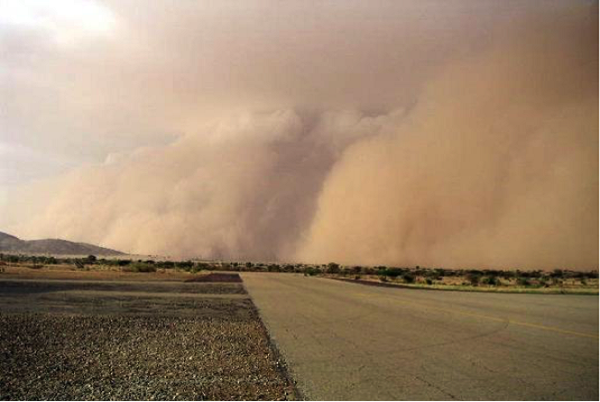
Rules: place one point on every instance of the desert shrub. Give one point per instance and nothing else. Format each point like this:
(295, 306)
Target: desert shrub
(357, 277)
(473, 278)
(437, 274)
(333, 268)
(383, 278)
(249, 265)
(91, 259)
(428, 281)
(408, 277)
(525, 274)
(312, 271)
(274, 268)
(368, 271)
(393, 272)
(421, 271)
(165, 264)
(47, 260)
(522, 281)
(140, 267)
(123, 263)
(508, 274)
(79, 264)
(490, 280)
(186, 265)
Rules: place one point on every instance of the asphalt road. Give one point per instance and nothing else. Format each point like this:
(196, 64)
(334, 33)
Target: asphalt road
(350, 341)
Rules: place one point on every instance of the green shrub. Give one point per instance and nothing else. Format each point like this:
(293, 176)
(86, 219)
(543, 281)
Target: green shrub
(312, 271)
(490, 280)
(408, 277)
(521, 281)
(185, 265)
(333, 268)
(394, 272)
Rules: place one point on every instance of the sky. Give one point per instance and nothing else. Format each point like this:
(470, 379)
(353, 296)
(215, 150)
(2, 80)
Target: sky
(439, 133)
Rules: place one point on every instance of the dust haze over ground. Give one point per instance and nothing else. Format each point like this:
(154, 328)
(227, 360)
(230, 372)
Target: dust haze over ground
(434, 133)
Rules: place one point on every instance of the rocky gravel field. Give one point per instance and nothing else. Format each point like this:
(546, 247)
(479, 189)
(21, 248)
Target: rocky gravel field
(217, 348)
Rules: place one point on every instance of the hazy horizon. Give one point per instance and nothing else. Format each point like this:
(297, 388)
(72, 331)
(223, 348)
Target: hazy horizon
(435, 133)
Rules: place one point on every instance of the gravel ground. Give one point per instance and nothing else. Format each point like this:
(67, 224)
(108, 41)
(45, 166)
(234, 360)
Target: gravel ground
(28, 286)
(203, 348)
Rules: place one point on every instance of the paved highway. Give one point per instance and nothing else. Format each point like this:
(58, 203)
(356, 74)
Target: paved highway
(349, 341)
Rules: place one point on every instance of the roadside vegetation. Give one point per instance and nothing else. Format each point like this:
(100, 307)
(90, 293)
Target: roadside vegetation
(509, 280)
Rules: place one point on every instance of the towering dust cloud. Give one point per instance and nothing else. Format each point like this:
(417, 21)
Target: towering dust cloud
(482, 152)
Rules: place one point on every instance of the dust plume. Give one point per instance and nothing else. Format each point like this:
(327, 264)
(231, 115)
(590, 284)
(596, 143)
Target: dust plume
(418, 144)
(496, 166)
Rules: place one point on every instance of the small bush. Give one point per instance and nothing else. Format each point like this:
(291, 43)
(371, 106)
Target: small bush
(333, 268)
(312, 271)
(408, 277)
(393, 272)
(428, 281)
(185, 265)
(140, 267)
(521, 281)
(473, 278)
(490, 280)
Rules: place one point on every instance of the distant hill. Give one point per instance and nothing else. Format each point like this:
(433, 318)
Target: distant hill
(12, 244)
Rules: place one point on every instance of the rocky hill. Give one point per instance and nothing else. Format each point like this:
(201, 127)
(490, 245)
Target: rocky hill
(12, 244)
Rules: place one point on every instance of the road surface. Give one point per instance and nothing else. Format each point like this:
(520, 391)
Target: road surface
(349, 341)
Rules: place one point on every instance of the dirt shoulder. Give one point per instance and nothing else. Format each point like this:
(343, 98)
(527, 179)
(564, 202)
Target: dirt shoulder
(134, 340)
